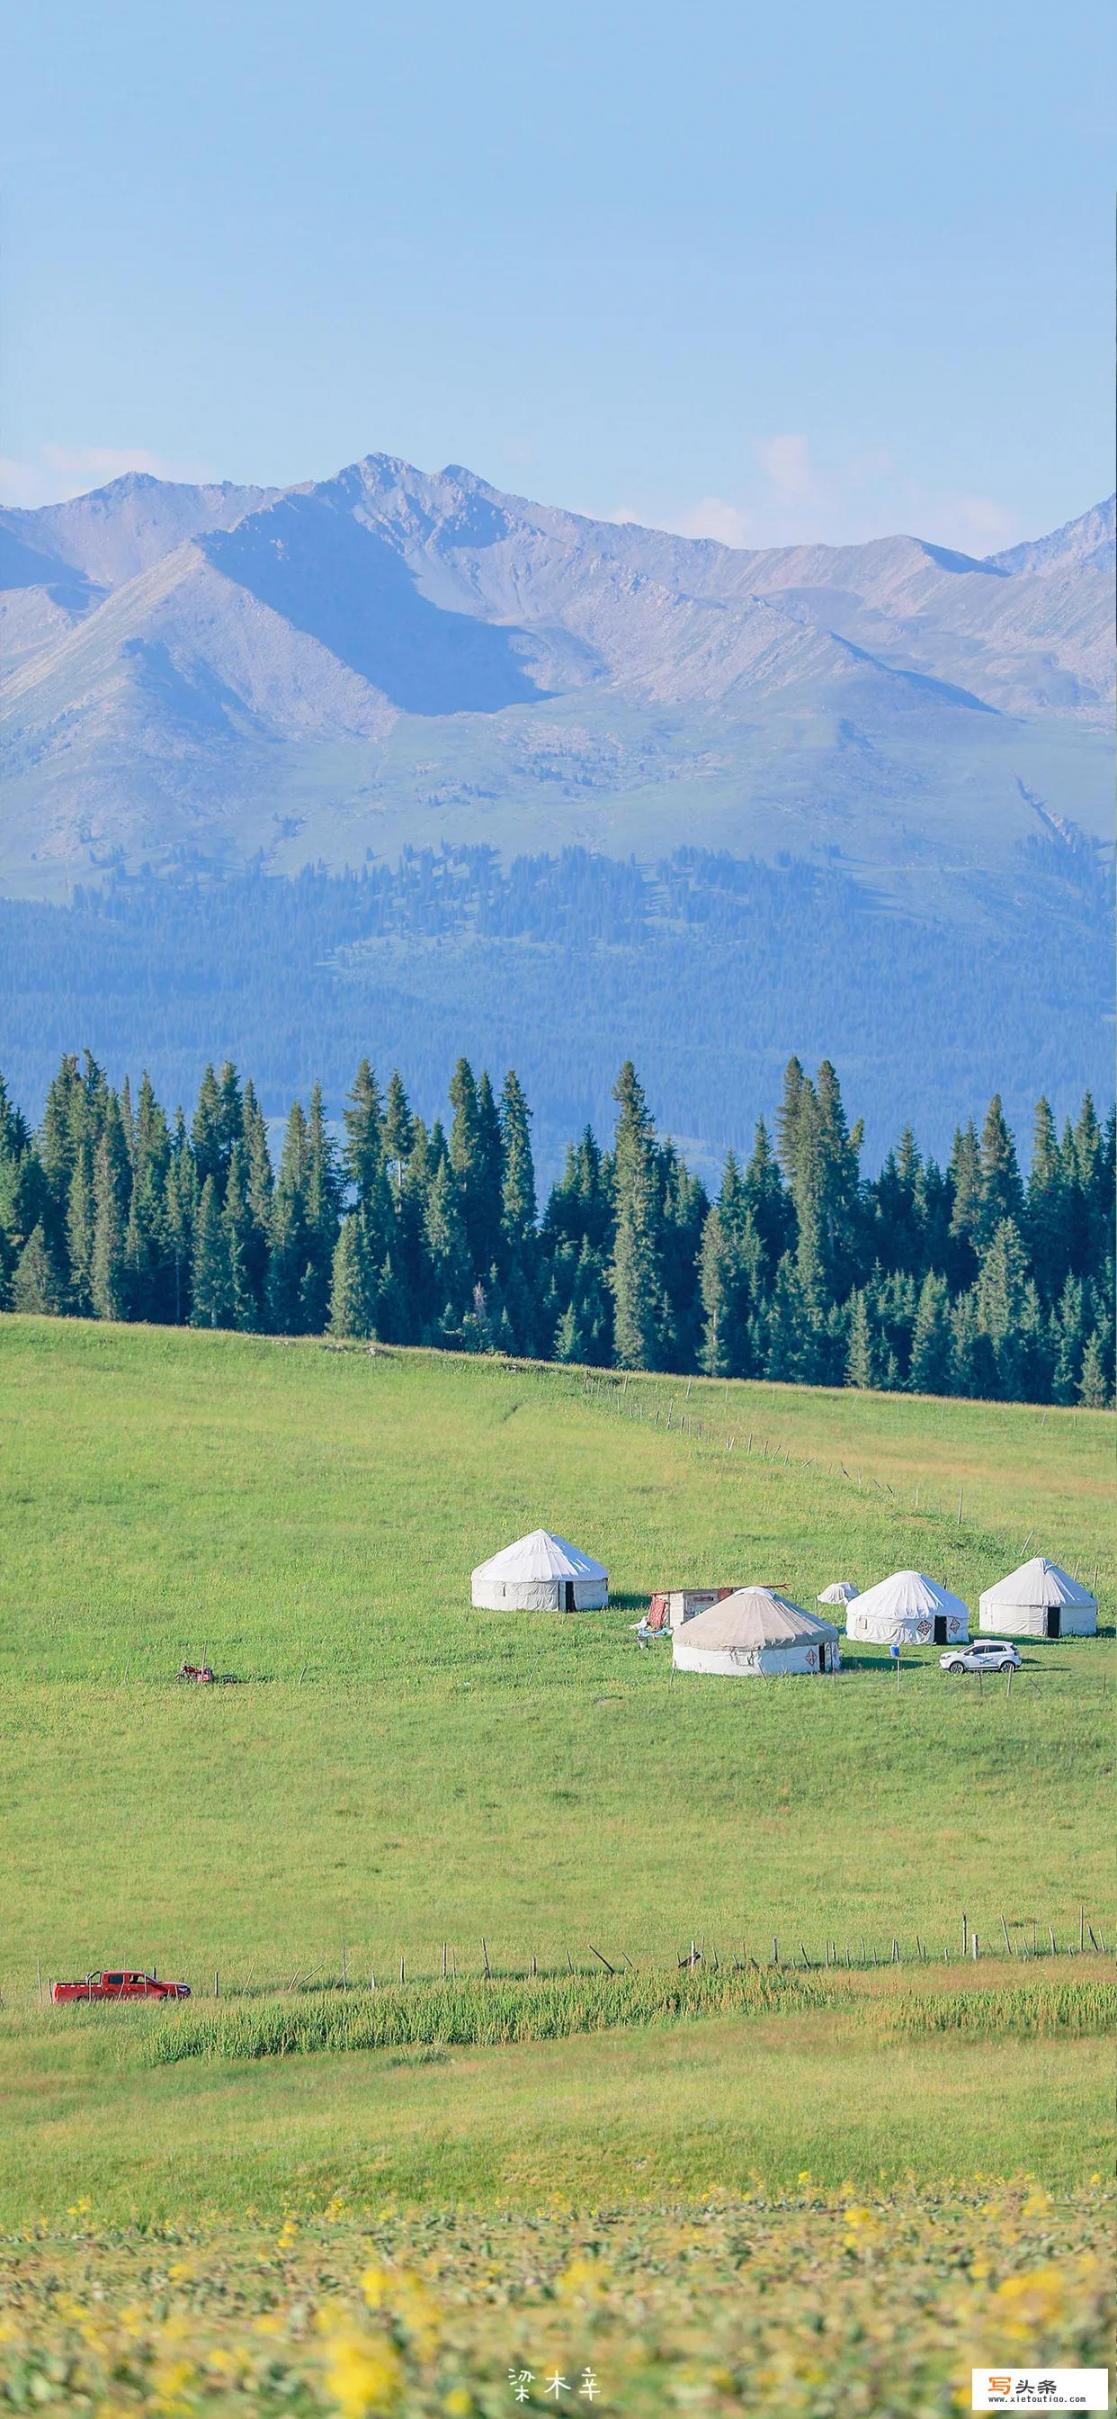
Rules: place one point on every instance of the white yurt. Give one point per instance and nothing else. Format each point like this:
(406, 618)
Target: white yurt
(756, 1632)
(909, 1610)
(541, 1573)
(840, 1591)
(1039, 1601)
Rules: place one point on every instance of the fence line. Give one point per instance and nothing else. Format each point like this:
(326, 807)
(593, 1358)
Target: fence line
(1027, 1939)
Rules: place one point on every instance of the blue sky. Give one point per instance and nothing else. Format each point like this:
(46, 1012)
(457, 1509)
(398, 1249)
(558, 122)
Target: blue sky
(749, 272)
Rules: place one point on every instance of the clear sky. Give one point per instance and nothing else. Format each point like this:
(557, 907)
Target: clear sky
(759, 272)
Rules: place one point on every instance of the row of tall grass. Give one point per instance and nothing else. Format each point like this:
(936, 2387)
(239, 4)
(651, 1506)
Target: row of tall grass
(476, 2014)
(550, 2008)
(1039, 2008)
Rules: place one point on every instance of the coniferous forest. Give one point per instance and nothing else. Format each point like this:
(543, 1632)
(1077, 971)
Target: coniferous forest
(967, 1279)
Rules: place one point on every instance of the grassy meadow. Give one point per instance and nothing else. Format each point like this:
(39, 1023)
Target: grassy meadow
(395, 1775)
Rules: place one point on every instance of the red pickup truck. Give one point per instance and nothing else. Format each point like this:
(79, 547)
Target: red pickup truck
(124, 1983)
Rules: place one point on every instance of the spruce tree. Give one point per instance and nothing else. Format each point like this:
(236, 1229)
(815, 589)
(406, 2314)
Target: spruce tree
(259, 1190)
(787, 1337)
(1068, 1341)
(490, 1178)
(768, 1202)
(290, 1252)
(1046, 1218)
(839, 1185)
(58, 1142)
(207, 1133)
(788, 1116)
(475, 1159)
(585, 1328)
(999, 1304)
(860, 1367)
(209, 1275)
(108, 1278)
(363, 1154)
(180, 1201)
(964, 1177)
(398, 1132)
(448, 1251)
(518, 1202)
(520, 1245)
(243, 1302)
(322, 1208)
(351, 1282)
(36, 1284)
(1093, 1392)
(1001, 1192)
(731, 1262)
(79, 1231)
(930, 1371)
(635, 1273)
(682, 1214)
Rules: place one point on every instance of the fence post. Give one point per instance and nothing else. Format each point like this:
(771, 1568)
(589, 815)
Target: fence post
(974, 1945)
(485, 1955)
(965, 1932)
(216, 1983)
(1008, 1943)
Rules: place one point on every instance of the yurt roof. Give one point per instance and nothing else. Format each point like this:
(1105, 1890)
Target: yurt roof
(1038, 1582)
(754, 1617)
(908, 1594)
(840, 1591)
(540, 1555)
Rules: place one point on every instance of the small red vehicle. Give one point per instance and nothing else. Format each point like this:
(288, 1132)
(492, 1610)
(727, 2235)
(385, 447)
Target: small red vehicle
(123, 1983)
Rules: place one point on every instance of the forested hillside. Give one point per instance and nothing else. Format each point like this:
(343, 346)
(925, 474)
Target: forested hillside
(701, 963)
(956, 1279)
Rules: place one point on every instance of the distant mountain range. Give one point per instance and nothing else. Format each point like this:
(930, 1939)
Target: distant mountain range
(216, 674)
(217, 684)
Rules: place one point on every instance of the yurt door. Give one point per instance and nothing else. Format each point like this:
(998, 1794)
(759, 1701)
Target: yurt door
(940, 1629)
(568, 1595)
(1054, 1620)
(824, 1658)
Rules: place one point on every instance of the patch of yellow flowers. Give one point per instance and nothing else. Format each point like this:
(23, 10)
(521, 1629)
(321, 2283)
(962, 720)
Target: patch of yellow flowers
(813, 2305)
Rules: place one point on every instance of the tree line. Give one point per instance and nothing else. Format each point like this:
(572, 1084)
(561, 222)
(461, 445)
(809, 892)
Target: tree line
(964, 1279)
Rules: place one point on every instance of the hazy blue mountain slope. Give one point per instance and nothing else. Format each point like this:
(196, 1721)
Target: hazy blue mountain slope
(897, 761)
(129, 525)
(390, 655)
(707, 969)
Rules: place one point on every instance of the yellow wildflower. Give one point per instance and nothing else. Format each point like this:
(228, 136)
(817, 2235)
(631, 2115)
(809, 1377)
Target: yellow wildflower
(170, 2379)
(583, 2279)
(1026, 2304)
(364, 2373)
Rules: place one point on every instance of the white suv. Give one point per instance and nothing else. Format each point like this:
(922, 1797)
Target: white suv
(986, 1654)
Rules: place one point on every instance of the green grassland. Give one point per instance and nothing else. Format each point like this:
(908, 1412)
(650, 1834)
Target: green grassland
(843, 2092)
(395, 1771)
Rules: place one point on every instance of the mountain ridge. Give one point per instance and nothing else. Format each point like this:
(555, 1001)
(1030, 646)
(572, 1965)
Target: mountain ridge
(334, 668)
